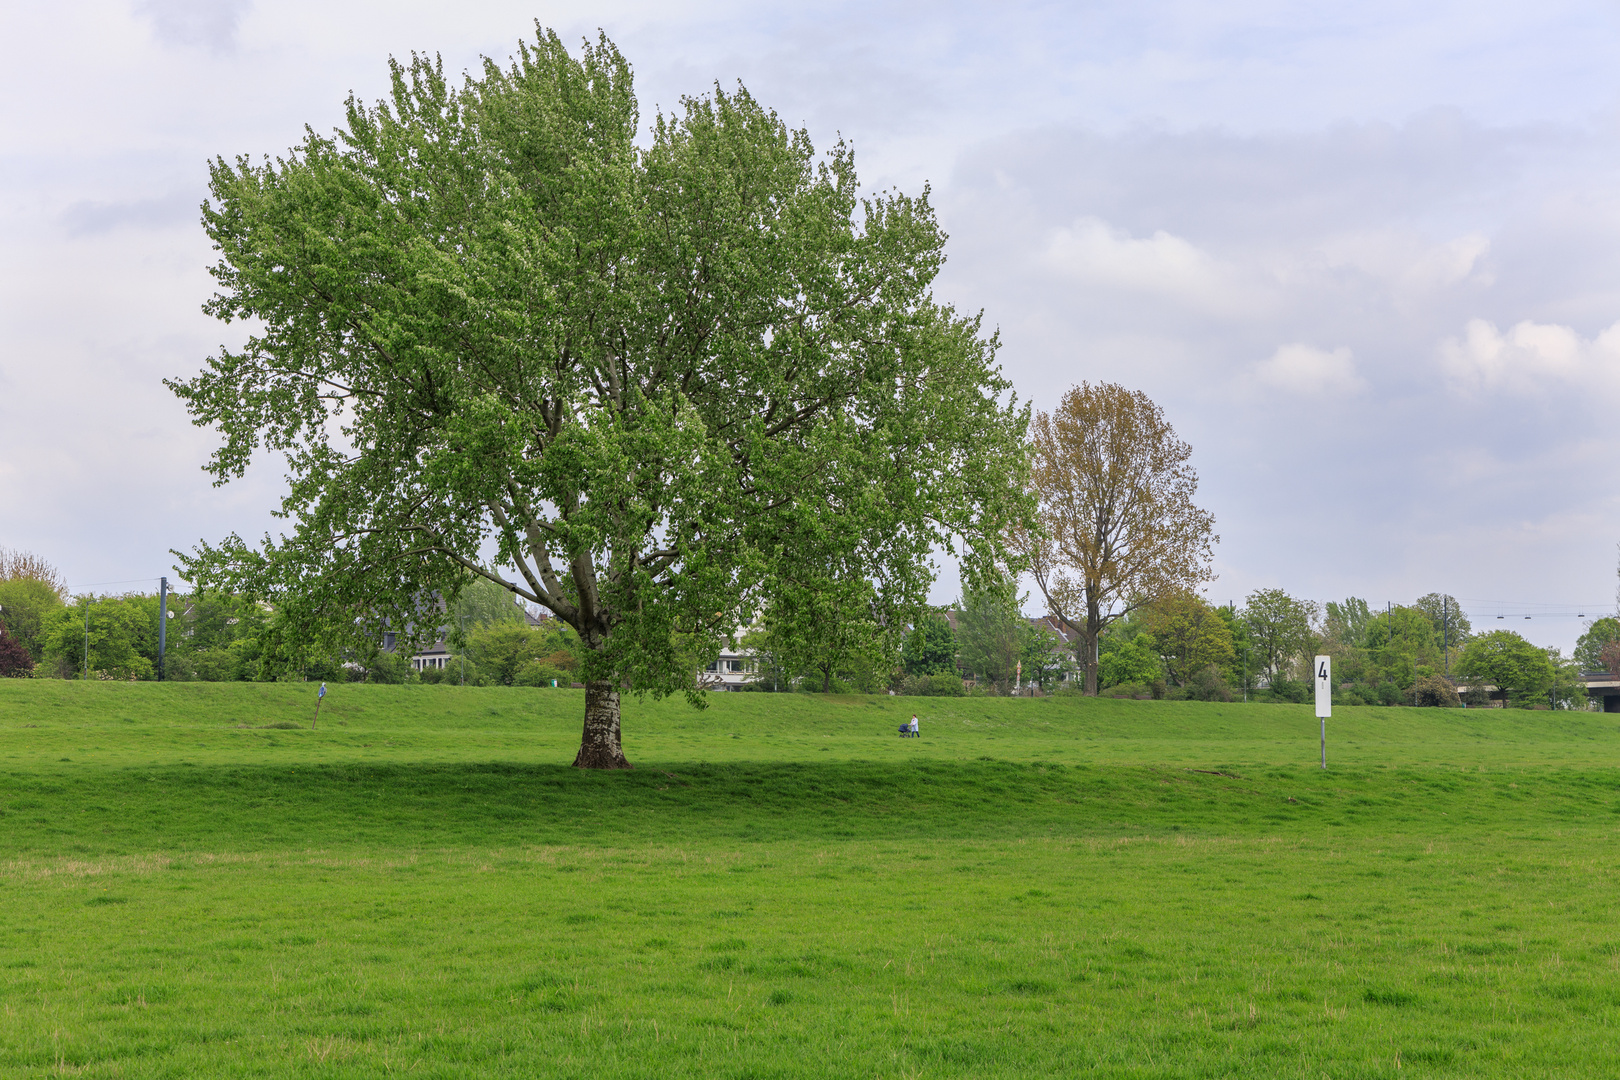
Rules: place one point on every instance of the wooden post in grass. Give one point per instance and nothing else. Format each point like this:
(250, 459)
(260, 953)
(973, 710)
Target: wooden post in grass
(320, 696)
(1324, 697)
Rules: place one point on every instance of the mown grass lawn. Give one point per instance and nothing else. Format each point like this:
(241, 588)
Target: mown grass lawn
(784, 888)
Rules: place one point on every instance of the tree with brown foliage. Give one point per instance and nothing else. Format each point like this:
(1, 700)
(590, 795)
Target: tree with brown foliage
(1609, 657)
(1117, 526)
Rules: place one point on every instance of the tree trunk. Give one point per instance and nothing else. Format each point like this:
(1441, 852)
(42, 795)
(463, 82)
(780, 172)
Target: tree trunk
(1089, 664)
(599, 745)
(1091, 634)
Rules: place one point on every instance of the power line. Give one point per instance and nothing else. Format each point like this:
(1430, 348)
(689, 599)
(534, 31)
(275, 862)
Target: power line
(126, 581)
(1518, 609)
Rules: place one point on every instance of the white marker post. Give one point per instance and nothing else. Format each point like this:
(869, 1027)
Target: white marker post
(1324, 697)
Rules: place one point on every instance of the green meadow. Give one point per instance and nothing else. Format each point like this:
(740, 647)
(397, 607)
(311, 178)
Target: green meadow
(194, 883)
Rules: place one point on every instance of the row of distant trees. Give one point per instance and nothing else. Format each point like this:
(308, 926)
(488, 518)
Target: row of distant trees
(1180, 646)
(216, 637)
(991, 649)
(1415, 654)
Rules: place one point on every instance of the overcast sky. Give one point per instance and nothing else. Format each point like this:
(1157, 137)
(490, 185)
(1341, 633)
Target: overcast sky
(1366, 256)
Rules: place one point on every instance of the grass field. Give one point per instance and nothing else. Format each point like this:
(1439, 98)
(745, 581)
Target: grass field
(783, 888)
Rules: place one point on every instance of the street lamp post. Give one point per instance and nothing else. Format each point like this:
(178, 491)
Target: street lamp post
(163, 622)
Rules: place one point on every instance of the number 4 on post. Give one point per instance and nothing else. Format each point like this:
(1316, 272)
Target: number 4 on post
(1324, 697)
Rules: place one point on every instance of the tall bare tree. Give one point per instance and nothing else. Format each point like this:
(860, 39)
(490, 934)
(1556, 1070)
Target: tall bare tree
(1117, 527)
(26, 566)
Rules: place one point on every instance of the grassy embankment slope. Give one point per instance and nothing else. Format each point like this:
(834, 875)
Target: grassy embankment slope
(784, 888)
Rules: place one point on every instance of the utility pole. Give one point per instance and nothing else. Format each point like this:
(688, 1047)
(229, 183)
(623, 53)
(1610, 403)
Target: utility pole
(1445, 632)
(86, 673)
(163, 622)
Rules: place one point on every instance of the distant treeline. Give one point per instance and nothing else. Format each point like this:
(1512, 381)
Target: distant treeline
(46, 633)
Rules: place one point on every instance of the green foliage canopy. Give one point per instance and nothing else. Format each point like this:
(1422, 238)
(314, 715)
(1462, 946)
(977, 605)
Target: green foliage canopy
(1346, 624)
(1511, 663)
(1280, 630)
(1399, 640)
(1128, 660)
(990, 633)
(1589, 647)
(486, 316)
(483, 602)
(930, 648)
(1190, 635)
(27, 607)
(1447, 616)
(121, 640)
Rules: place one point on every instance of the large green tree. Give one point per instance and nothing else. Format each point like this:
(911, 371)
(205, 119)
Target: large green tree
(1521, 670)
(1399, 640)
(991, 633)
(1190, 635)
(28, 607)
(826, 629)
(485, 319)
(1280, 630)
(31, 593)
(111, 637)
(1451, 625)
(1589, 647)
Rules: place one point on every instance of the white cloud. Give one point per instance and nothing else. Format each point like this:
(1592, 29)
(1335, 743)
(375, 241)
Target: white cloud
(1307, 370)
(1405, 262)
(1092, 253)
(1531, 357)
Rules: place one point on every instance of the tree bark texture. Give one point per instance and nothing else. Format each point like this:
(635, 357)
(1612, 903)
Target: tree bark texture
(1093, 631)
(599, 745)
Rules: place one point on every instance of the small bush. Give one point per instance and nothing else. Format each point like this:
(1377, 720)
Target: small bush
(1209, 685)
(390, 668)
(1360, 694)
(1290, 690)
(539, 673)
(1434, 691)
(216, 665)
